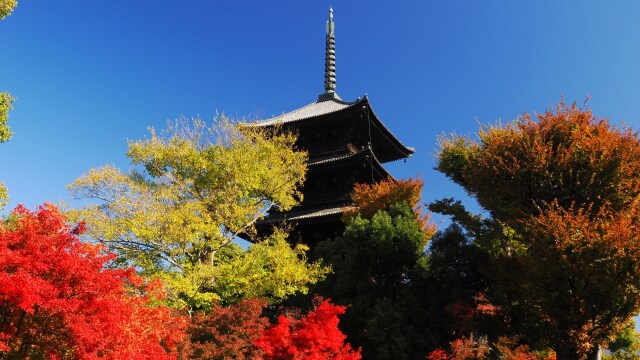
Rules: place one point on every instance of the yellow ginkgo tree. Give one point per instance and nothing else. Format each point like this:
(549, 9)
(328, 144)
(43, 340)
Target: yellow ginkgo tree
(193, 189)
(6, 101)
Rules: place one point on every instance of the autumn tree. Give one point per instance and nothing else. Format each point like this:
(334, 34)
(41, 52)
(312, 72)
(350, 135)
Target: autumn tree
(6, 101)
(6, 7)
(226, 332)
(466, 348)
(194, 190)
(368, 199)
(377, 263)
(561, 190)
(478, 348)
(315, 336)
(453, 287)
(58, 301)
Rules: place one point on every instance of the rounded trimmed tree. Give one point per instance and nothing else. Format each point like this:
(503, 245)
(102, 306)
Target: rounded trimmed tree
(562, 191)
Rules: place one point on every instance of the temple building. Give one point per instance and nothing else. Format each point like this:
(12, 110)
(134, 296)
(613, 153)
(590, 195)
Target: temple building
(347, 144)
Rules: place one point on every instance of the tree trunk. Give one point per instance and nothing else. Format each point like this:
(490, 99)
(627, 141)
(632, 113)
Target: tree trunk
(596, 353)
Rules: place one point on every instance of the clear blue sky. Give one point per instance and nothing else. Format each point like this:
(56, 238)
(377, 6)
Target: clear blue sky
(88, 75)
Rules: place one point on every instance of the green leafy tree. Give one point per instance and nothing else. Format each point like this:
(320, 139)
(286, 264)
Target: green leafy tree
(626, 345)
(376, 264)
(194, 190)
(561, 190)
(454, 286)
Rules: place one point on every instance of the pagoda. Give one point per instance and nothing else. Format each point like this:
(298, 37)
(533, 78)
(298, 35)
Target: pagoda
(347, 144)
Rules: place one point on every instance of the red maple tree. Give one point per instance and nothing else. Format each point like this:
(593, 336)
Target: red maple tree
(226, 332)
(58, 301)
(313, 337)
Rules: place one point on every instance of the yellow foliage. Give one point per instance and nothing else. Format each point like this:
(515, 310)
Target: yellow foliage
(194, 189)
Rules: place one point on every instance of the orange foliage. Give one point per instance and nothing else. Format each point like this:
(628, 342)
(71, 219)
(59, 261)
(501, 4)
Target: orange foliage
(371, 198)
(470, 348)
(466, 348)
(567, 155)
(601, 253)
(562, 189)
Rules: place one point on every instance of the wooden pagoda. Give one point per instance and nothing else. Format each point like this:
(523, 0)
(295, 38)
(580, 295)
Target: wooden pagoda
(347, 144)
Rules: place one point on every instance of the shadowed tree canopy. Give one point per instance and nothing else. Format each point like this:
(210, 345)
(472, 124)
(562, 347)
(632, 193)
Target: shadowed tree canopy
(562, 192)
(194, 189)
(378, 261)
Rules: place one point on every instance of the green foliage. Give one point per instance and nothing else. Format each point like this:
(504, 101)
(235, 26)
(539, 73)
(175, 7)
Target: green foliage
(6, 104)
(453, 281)
(377, 263)
(626, 344)
(269, 269)
(6, 7)
(194, 190)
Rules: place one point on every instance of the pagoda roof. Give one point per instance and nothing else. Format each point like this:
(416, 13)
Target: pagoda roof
(306, 214)
(312, 110)
(335, 108)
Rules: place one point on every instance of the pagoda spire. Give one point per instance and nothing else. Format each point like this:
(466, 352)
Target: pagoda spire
(330, 63)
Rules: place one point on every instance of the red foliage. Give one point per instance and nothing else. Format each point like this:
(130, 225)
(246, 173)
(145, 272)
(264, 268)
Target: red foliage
(370, 198)
(314, 337)
(58, 301)
(466, 317)
(226, 332)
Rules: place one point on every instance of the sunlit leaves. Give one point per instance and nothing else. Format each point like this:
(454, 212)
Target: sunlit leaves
(6, 104)
(194, 189)
(566, 155)
(6, 7)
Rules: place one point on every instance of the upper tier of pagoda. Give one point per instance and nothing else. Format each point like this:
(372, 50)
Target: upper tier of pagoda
(335, 128)
(347, 144)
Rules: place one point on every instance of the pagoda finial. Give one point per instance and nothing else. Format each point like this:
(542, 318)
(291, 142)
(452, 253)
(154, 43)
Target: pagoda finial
(330, 63)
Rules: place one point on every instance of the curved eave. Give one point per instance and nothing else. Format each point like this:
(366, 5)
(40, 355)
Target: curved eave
(303, 215)
(406, 151)
(319, 110)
